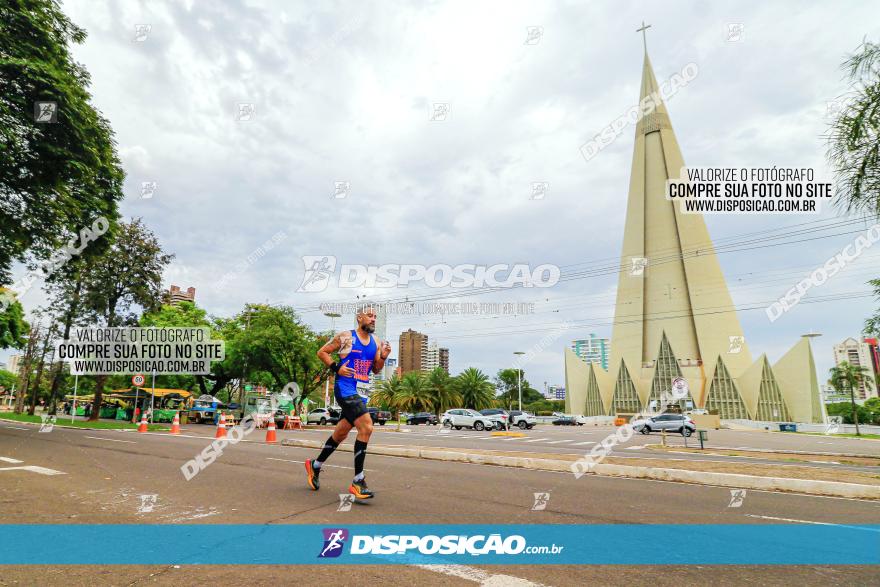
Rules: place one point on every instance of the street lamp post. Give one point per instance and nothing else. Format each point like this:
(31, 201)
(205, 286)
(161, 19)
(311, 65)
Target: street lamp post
(519, 380)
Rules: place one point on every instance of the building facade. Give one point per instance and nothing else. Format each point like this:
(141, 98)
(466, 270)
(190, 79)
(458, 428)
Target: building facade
(444, 359)
(674, 316)
(592, 350)
(860, 354)
(411, 350)
(177, 295)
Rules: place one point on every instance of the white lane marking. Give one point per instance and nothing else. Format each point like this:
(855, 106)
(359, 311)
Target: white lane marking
(812, 522)
(537, 439)
(513, 438)
(559, 441)
(583, 443)
(34, 469)
(17, 428)
(322, 466)
(479, 576)
(110, 439)
(640, 447)
(8, 460)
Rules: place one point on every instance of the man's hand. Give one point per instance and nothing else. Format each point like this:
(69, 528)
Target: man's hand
(386, 350)
(345, 371)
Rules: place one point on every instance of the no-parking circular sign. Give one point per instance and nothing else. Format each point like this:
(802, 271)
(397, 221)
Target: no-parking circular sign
(138, 379)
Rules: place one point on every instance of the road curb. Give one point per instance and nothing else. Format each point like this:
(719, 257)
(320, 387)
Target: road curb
(780, 451)
(739, 481)
(69, 427)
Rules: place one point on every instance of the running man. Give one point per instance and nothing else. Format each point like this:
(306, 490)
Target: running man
(359, 352)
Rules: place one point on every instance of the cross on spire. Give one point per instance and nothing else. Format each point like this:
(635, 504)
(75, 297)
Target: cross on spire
(642, 30)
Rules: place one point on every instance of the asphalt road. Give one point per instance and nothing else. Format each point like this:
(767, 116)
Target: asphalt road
(108, 473)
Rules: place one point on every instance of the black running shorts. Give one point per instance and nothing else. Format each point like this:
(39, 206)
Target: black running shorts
(353, 407)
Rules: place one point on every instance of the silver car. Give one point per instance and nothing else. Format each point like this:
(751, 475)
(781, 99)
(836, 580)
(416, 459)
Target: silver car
(670, 422)
(464, 418)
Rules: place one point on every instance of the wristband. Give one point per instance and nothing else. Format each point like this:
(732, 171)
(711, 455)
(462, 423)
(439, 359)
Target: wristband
(334, 366)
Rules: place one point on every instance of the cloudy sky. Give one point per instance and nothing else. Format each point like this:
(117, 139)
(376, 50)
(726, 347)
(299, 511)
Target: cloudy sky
(346, 92)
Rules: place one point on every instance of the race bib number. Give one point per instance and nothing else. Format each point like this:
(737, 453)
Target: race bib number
(364, 390)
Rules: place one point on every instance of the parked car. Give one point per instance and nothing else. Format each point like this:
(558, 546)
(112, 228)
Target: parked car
(523, 420)
(500, 416)
(464, 418)
(565, 421)
(380, 416)
(322, 416)
(680, 423)
(422, 418)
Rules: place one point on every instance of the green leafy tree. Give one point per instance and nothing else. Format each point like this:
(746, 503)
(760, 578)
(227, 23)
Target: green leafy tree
(273, 340)
(476, 391)
(507, 388)
(7, 379)
(58, 164)
(181, 315)
(415, 393)
(386, 395)
(127, 274)
(854, 140)
(872, 407)
(872, 324)
(13, 328)
(847, 377)
(444, 395)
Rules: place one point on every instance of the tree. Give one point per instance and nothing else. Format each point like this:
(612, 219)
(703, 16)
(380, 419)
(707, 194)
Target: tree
(127, 273)
(56, 175)
(12, 325)
(476, 391)
(181, 315)
(386, 396)
(846, 376)
(443, 393)
(415, 393)
(872, 324)
(274, 340)
(507, 385)
(854, 140)
(7, 379)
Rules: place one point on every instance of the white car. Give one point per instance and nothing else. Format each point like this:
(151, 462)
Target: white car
(464, 418)
(322, 416)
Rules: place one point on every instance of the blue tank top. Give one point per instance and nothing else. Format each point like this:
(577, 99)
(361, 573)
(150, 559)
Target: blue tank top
(360, 359)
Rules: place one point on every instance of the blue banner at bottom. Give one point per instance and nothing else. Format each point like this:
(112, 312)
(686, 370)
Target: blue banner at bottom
(522, 544)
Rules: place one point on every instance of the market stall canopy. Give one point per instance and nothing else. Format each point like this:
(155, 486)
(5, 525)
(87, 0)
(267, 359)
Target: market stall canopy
(130, 394)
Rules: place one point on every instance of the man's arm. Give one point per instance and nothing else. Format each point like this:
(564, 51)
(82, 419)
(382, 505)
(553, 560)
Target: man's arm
(342, 341)
(382, 352)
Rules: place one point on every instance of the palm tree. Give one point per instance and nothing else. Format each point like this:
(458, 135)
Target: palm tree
(854, 140)
(847, 376)
(386, 395)
(415, 393)
(476, 391)
(443, 391)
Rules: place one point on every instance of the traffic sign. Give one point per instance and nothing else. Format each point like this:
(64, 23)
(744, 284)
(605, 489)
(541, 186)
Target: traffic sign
(138, 379)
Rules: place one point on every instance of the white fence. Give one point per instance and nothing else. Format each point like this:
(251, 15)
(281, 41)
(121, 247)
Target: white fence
(808, 427)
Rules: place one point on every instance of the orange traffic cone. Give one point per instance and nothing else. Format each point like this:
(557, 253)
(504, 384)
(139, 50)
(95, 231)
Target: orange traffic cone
(221, 427)
(270, 432)
(142, 427)
(175, 425)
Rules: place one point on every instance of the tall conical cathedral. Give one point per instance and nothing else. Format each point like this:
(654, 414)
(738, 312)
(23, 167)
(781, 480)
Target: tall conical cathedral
(674, 315)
